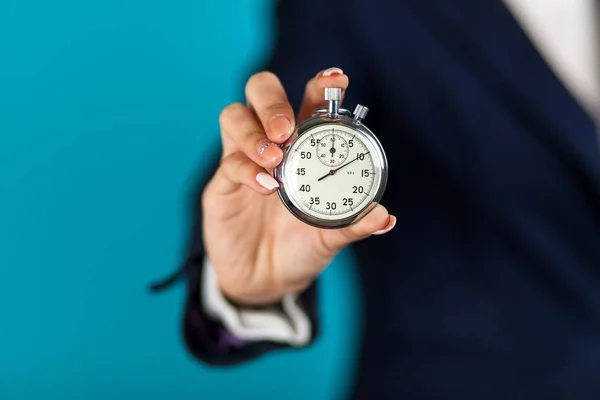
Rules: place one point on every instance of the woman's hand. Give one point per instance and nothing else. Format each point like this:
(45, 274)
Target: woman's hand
(259, 250)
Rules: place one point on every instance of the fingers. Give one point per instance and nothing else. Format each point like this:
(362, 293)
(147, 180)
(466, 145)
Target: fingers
(377, 222)
(269, 119)
(236, 170)
(241, 130)
(247, 153)
(315, 88)
(255, 129)
(250, 133)
(267, 97)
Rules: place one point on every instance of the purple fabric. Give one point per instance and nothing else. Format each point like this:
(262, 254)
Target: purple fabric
(208, 340)
(200, 324)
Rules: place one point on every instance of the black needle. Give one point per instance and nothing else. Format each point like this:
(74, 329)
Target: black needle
(332, 150)
(333, 171)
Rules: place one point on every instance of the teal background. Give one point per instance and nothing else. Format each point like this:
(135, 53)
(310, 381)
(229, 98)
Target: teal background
(107, 111)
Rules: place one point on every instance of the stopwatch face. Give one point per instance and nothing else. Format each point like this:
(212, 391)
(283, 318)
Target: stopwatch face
(331, 174)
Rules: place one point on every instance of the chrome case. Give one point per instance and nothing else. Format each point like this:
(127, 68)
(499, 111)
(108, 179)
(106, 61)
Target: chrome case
(340, 117)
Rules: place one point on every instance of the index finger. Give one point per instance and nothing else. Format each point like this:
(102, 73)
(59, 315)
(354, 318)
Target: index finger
(267, 97)
(315, 88)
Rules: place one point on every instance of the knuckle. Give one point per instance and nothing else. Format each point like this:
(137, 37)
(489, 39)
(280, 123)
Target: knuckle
(225, 161)
(208, 199)
(250, 137)
(308, 87)
(310, 83)
(313, 94)
(231, 161)
(231, 112)
(260, 79)
(277, 108)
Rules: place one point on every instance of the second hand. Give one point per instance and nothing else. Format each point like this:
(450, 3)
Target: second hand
(333, 171)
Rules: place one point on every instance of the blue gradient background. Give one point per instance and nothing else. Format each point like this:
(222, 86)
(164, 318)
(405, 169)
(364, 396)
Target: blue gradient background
(107, 110)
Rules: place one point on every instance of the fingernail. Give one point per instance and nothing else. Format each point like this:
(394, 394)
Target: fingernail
(332, 71)
(388, 228)
(262, 146)
(280, 126)
(267, 181)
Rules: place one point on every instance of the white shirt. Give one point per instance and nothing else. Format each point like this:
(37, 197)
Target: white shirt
(567, 35)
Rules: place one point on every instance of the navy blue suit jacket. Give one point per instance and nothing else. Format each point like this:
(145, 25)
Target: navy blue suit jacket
(489, 287)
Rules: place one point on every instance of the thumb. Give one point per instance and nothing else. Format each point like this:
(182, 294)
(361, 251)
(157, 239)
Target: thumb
(377, 222)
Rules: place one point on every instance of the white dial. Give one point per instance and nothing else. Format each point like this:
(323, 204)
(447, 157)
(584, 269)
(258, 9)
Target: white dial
(332, 184)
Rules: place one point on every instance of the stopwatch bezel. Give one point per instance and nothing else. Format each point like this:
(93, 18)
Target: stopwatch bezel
(366, 134)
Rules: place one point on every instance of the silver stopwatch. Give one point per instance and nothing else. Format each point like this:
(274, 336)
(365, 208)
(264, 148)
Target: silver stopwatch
(334, 169)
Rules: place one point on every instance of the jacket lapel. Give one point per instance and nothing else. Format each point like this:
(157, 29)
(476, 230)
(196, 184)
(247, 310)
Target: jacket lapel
(486, 35)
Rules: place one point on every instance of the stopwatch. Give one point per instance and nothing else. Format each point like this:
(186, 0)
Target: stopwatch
(334, 169)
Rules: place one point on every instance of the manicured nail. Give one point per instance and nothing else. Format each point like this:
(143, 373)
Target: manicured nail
(388, 228)
(332, 71)
(280, 126)
(262, 146)
(267, 181)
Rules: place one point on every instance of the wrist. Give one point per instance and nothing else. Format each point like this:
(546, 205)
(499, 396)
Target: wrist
(249, 299)
(250, 296)
(284, 321)
(256, 288)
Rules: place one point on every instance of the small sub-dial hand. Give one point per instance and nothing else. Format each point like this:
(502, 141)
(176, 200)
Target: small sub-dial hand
(334, 155)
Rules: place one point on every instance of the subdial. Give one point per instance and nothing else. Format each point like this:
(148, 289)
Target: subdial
(332, 150)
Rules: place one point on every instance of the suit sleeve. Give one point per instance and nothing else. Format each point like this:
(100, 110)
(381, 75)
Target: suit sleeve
(311, 36)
